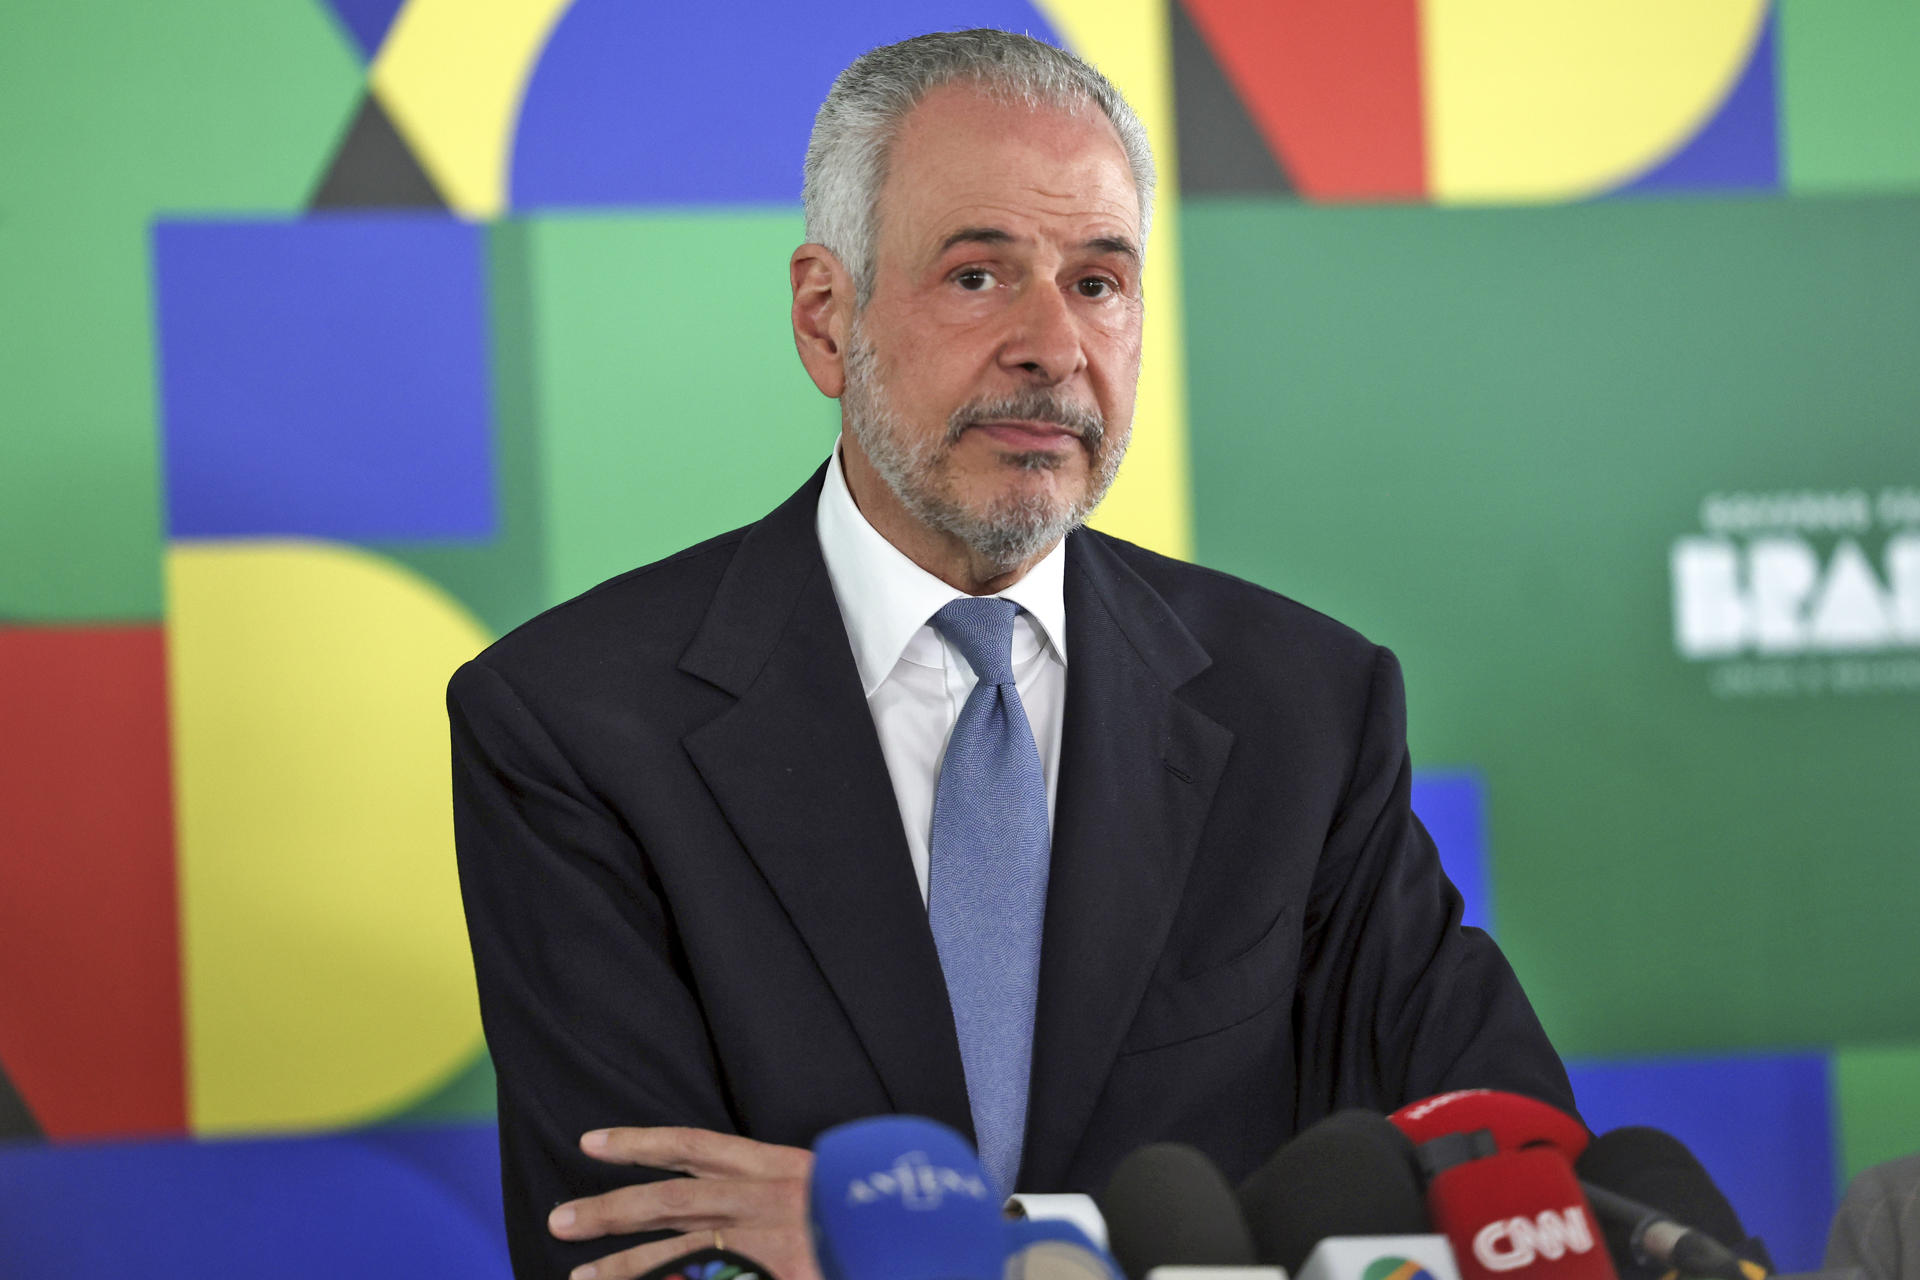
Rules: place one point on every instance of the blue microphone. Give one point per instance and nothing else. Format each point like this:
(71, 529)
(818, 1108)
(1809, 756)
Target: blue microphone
(902, 1198)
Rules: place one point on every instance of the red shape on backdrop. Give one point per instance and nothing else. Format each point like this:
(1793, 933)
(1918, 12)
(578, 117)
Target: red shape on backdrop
(90, 1027)
(1335, 89)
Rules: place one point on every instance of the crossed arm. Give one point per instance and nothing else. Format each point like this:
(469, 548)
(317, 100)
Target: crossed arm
(557, 924)
(746, 1195)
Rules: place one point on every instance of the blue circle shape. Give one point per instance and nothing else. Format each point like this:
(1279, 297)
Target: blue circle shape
(696, 104)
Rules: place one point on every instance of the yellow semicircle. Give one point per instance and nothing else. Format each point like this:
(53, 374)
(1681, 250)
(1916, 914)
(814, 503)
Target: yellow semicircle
(327, 976)
(451, 74)
(1151, 502)
(1531, 102)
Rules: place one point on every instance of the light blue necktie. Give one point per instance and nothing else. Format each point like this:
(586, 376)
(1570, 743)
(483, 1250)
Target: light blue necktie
(987, 880)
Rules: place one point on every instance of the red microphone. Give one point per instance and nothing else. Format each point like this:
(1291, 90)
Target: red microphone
(1501, 1186)
(1514, 1120)
(1518, 1215)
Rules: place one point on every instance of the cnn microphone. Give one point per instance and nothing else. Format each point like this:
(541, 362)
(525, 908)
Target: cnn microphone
(902, 1198)
(1513, 1120)
(1517, 1215)
(1349, 1175)
(1501, 1185)
(1168, 1206)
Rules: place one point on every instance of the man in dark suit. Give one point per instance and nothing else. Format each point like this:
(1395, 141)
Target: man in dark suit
(760, 839)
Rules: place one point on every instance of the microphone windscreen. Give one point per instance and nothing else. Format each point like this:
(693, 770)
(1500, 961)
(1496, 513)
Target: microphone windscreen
(1658, 1170)
(1518, 1211)
(1167, 1205)
(1514, 1120)
(1064, 1206)
(1351, 1174)
(1021, 1232)
(1059, 1259)
(902, 1198)
(702, 1264)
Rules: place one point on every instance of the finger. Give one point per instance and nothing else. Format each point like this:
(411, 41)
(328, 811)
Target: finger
(786, 1253)
(700, 1152)
(683, 1204)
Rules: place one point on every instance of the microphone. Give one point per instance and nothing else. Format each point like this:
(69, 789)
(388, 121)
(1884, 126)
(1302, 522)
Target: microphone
(1054, 1249)
(1514, 1120)
(703, 1263)
(1657, 1170)
(902, 1198)
(1351, 1174)
(1501, 1186)
(1168, 1206)
(1653, 1238)
(1517, 1212)
(1063, 1206)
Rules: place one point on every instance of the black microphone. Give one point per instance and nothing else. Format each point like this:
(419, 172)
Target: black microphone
(1351, 1174)
(1168, 1205)
(1672, 1186)
(1652, 1237)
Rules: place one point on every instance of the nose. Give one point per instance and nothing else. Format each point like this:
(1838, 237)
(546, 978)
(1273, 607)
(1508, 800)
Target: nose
(1044, 341)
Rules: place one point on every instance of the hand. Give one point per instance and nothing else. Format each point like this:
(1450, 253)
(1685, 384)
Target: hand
(753, 1193)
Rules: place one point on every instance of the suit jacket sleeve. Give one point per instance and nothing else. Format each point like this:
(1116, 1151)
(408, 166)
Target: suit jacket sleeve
(1397, 1001)
(584, 999)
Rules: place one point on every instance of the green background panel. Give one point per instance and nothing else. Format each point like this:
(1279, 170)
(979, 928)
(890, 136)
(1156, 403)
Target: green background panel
(1850, 95)
(466, 1094)
(111, 114)
(1877, 1101)
(671, 404)
(1474, 435)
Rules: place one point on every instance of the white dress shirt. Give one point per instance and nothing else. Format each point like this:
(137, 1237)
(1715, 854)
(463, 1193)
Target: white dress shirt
(914, 680)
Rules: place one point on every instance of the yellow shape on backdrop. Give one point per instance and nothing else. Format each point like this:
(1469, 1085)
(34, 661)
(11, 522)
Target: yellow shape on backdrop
(1538, 102)
(327, 976)
(451, 74)
(1151, 504)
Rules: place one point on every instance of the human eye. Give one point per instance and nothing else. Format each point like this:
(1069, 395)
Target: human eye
(1096, 286)
(975, 279)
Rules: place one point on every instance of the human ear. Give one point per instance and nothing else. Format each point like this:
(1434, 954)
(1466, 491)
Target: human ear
(822, 315)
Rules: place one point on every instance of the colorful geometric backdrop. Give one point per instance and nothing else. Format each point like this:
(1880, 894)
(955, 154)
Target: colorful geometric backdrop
(1567, 349)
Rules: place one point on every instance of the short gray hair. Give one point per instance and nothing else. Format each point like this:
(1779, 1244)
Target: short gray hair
(854, 129)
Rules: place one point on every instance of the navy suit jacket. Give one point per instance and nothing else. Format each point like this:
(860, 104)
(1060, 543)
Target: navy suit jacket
(691, 902)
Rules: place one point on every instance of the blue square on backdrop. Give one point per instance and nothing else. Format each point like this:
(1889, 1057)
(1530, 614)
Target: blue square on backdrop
(1453, 809)
(325, 378)
(1761, 1124)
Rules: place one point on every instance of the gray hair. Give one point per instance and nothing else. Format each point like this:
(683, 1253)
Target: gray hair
(855, 127)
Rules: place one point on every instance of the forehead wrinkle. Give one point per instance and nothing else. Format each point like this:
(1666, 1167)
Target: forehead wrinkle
(1096, 199)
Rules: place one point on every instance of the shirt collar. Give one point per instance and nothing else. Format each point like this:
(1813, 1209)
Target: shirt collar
(885, 598)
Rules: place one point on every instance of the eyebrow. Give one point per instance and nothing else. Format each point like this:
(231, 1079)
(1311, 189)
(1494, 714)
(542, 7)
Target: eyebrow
(1118, 245)
(975, 235)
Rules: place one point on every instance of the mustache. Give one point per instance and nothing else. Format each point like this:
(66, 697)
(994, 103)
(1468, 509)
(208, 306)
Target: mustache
(1035, 404)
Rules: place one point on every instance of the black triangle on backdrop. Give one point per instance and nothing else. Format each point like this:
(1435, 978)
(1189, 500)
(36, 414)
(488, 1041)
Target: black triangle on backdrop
(373, 168)
(15, 1120)
(1221, 150)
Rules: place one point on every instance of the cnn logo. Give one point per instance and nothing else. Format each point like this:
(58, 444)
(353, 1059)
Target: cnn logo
(1508, 1244)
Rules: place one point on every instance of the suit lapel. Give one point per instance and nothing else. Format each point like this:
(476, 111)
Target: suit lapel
(796, 767)
(1137, 775)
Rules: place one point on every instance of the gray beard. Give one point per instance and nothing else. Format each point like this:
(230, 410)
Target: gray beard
(1015, 527)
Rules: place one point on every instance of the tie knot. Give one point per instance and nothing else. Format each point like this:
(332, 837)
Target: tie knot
(981, 628)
